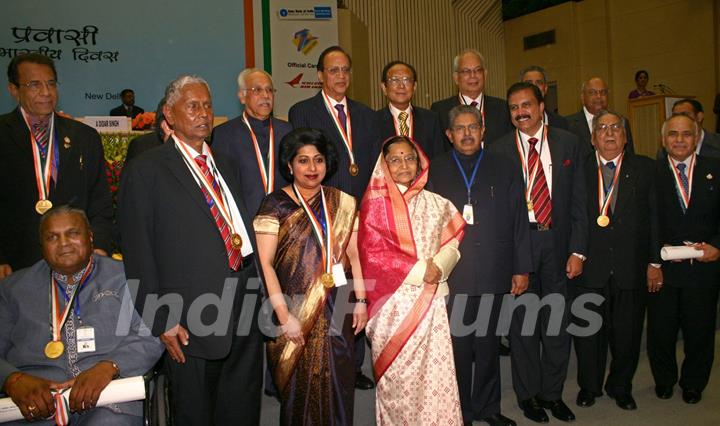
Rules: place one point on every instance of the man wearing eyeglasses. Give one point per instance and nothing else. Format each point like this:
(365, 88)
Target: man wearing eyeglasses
(45, 160)
(536, 75)
(594, 95)
(252, 140)
(623, 262)
(353, 127)
(496, 258)
(548, 160)
(400, 117)
(469, 74)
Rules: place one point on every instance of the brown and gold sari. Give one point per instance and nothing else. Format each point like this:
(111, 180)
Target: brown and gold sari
(315, 381)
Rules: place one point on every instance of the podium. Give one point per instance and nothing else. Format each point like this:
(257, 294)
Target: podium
(646, 115)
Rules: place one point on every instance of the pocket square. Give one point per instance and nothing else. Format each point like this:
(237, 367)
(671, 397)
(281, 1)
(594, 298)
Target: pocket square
(567, 162)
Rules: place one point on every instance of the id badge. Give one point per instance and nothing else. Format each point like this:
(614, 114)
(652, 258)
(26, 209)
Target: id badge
(85, 339)
(468, 214)
(338, 273)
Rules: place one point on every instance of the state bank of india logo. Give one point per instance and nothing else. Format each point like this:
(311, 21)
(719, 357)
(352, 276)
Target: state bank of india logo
(304, 41)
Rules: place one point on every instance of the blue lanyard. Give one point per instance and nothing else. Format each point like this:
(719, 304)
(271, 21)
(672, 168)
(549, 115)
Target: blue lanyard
(320, 216)
(468, 183)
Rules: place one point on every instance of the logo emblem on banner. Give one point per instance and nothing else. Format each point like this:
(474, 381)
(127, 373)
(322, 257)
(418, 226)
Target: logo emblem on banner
(304, 41)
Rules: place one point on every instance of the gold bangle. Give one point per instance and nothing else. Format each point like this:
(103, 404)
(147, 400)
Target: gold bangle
(115, 366)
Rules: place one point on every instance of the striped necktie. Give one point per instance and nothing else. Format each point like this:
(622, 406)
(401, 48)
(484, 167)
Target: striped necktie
(234, 255)
(684, 181)
(404, 129)
(42, 136)
(542, 205)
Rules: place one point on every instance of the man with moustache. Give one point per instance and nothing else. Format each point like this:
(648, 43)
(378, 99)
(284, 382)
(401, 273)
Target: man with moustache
(496, 257)
(708, 144)
(594, 95)
(186, 236)
(689, 208)
(400, 117)
(353, 127)
(536, 75)
(469, 74)
(623, 259)
(45, 160)
(251, 140)
(548, 159)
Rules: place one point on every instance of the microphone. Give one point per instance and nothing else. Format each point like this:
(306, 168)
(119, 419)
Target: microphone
(664, 88)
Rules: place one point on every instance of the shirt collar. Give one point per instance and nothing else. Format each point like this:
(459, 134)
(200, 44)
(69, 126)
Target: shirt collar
(191, 150)
(395, 111)
(588, 116)
(333, 102)
(64, 279)
(45, 121)
(469, 100)
(614, 160)
(538, 135)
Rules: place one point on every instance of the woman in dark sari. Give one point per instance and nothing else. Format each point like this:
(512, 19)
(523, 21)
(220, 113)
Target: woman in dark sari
(307, 237)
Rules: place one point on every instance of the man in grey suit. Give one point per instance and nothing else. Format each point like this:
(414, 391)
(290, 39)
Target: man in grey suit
(89, 348)
(251, 141)
(548, 158)
(594, 96)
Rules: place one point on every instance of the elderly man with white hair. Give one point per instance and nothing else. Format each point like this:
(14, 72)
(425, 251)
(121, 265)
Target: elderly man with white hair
(251, 140)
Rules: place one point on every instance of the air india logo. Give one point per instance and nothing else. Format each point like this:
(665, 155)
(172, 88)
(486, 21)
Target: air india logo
(304, 41)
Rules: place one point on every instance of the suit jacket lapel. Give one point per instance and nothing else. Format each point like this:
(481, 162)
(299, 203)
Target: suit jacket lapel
(327, 117)
(20, 132)
(626, 183)
(418, 125)
(179, 169)
(65, 155)
(387, 122)
(556, 156)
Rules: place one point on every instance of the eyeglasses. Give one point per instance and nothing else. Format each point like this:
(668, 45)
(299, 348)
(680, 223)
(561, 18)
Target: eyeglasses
(593, 92)
(338, 70)
(461, 129)
(256, 91)
(37, 85)
(466, 72)
(396, 161)
(605, 128)
(397, 81)
(536, 82)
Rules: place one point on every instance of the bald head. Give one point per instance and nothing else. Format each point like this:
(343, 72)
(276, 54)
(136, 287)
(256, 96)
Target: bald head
(594, 95)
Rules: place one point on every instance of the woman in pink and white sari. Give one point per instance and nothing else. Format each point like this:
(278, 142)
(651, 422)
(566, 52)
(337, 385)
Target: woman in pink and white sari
(409, 239)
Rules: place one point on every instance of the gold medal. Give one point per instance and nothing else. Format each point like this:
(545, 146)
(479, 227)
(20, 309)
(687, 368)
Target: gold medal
(42, 206)
(354, 169)
(530, 205)
(236, 241)
(603, 221)
(54, 349)
(327, 280)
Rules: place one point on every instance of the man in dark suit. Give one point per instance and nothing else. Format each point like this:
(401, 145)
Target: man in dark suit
(623, 257)
(689, 206)
(594, 97)
(160, 134)
(469, 74)
(496, 257)
(353, 127)
(187, 237)
(128, 107)
(535, 74)
(549, 160)
(400, 117)
(32, 137)
(251, 141)
(708, 143)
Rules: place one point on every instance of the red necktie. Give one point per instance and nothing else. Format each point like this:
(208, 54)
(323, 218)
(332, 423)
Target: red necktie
(540, 194)
(234, 255)
(41, 135)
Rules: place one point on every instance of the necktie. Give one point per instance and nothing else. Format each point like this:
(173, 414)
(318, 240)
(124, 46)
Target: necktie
(41, 135)
(540, 194)
(608, 172)
(404, 129)
(473, 104)
(341, 114)
(684, 182)
(234, 255)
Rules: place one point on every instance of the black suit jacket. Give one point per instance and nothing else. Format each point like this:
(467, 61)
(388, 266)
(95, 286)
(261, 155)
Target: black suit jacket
(142, 143)
(122, 112)
(81, 183)
(569, 218)
(557, 120)
(700, 223)
(626, 246)
(577, 124)
(497, 246)
(497, 117)
(426, 130)
(234, 141)
(365, 138)
(171, 244)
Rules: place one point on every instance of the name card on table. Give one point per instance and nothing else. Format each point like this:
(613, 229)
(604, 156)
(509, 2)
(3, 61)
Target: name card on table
(108, 124)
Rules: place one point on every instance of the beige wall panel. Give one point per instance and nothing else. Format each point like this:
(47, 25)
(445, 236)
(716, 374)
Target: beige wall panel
(428, 34)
